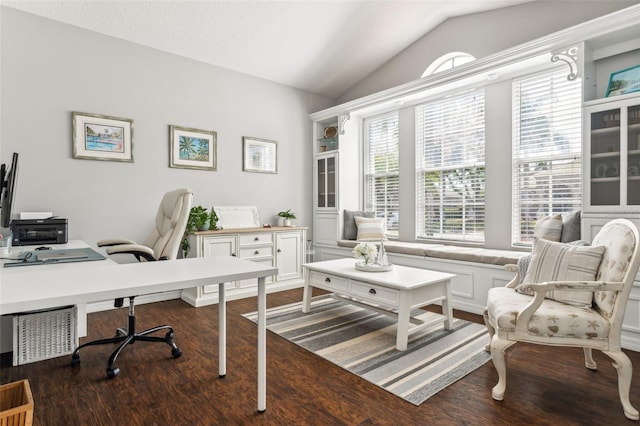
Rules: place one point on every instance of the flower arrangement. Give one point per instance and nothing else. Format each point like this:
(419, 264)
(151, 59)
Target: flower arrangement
(366, 251)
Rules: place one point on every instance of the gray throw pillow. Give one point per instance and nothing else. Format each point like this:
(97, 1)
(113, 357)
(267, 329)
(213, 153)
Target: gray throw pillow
(350, 229)
(570, 227)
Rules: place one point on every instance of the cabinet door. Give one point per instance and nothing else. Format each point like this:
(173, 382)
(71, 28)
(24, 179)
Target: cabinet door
(223, 245)
(326, 182)
(605, 157)
(289, 255)
(633, 155)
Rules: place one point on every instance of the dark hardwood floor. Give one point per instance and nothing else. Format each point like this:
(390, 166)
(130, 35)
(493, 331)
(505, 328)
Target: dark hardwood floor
(546, 386)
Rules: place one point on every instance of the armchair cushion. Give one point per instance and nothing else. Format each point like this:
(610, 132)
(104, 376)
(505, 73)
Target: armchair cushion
(552, 319)
(370, 229)
(552, 261)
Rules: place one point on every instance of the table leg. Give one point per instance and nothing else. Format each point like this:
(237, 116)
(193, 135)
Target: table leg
(262, 345)
(447, 310)
(306, 296)
(404, 311)
(222, 331)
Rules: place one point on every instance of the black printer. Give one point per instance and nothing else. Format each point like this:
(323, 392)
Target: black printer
(27, 232)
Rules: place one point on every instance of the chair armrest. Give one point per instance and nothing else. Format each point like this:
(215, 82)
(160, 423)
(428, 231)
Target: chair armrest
(135, 249)
(515, 280)
(511, 267)
(540, 290)
(573, 286)
(114, 242)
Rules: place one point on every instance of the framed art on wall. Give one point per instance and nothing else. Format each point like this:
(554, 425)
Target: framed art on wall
(259, 155)
(624, 81)
(101, 137)
(192, 148)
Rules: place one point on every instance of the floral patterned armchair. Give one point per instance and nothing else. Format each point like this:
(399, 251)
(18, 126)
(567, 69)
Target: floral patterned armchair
(570, 296)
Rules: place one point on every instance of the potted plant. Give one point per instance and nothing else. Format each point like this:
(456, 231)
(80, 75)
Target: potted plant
(199, 220)
(287, 216)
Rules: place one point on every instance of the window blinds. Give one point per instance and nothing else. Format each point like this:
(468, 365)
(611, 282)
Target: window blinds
(382, 169)
(546, 149)
(450, 168)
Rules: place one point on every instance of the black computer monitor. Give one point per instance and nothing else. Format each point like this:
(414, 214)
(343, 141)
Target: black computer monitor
(8, 190)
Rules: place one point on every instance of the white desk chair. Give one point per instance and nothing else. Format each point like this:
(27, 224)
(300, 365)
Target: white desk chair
(162, 243)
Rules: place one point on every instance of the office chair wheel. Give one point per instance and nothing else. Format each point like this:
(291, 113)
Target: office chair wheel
(112, 372)
(170, 335)
(176, 352)
(75, 359)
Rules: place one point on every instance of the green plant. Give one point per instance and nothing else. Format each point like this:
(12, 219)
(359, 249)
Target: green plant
(213, 219)
(198, 216)
(287, 214)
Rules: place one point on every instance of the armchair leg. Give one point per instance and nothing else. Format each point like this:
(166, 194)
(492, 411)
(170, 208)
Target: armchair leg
(588, 359)
(498, 349)
(490, 328)
(622, 363)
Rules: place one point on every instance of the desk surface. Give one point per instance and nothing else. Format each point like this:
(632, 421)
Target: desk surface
(47, 286)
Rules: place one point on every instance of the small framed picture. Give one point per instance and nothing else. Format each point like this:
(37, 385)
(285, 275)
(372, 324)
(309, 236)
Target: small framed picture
(192, 148)
(624, 81)
(260, 155)
(100, 137)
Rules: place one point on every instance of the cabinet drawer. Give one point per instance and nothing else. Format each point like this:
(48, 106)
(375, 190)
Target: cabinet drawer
(256, 238)
(375, 293)
(328, 281)
(251, 252)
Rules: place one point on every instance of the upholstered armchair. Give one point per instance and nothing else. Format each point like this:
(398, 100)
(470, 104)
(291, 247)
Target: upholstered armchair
(571, 295)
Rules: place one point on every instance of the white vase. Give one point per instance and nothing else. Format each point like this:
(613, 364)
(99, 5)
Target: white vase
(280, 221)
(287, 222)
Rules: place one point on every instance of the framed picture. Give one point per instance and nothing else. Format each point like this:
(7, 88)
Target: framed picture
(100, 137)
(192, 148)
(260, 155)
(624, 81)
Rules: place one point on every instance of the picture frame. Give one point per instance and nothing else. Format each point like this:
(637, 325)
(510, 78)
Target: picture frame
(193, 148)
(624, 81)
(101, 137)
(259, 155)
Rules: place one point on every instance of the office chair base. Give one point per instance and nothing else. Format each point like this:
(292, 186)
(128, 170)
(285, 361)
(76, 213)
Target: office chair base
(129, 336)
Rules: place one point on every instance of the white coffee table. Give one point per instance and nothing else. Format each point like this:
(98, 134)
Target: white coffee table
(395, 292)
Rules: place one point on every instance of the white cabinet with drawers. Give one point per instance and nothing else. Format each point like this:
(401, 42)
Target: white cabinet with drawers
(283, 247)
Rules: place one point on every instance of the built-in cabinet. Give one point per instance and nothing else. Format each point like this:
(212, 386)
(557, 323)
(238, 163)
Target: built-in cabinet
(336, 170)
(612, 155)
(282, 247)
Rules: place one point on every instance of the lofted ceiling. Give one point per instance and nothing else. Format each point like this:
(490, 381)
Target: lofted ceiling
(323, 46)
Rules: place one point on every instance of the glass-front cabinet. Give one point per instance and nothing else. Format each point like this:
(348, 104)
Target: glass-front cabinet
(612, 155)
(326, 181)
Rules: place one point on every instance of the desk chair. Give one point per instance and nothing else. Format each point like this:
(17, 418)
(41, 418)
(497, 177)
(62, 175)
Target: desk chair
(162, 243)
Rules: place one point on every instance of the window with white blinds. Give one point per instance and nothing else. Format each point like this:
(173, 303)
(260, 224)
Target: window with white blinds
(450, 168)
(382, 169)
(546, 150)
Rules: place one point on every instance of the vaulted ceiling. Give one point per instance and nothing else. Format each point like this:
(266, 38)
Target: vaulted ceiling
(321, 46)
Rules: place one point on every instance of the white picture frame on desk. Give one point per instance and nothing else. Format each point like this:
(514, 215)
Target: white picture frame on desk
(232, 217)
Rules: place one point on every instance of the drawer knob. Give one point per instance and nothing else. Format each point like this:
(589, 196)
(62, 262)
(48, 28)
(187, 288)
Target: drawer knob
(256, 252)
(233, 254)
(327, 280)
(372, 290)
(279, 251)
(256, 239)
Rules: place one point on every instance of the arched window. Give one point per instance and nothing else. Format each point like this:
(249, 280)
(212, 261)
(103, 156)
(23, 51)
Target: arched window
(448, 61)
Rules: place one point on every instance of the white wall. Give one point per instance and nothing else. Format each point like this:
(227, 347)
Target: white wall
(481, 35)
(49, 69)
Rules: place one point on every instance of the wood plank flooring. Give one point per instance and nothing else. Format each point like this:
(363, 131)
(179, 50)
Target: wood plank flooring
(546, 386)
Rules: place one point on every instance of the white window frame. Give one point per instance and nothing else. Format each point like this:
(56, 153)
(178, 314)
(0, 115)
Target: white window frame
(546, 170)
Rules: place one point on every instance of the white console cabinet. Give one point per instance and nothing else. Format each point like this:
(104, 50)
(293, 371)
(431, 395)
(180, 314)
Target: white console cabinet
(283, 247)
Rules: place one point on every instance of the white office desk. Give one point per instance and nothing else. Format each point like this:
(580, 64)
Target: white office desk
(28, 288)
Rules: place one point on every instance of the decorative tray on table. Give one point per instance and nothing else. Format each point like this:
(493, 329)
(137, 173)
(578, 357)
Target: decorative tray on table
(374, 267)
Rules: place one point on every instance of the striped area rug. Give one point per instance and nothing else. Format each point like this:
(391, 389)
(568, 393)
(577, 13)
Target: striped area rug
(363, 341)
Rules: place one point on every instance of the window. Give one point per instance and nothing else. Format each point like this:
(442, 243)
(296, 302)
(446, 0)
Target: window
(382, 169)
(450, 168)
(448, 61)
(546, 150)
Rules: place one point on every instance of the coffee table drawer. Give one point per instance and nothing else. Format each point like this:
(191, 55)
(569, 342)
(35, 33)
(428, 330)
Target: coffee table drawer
(328, 281)
(374, 293)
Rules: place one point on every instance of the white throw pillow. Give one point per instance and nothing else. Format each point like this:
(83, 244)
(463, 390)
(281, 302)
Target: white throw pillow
(549, 228)
(553, 261)
(370, 229)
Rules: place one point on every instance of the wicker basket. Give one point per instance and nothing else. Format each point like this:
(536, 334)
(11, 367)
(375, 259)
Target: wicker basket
(16, 404)
(43, 335)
